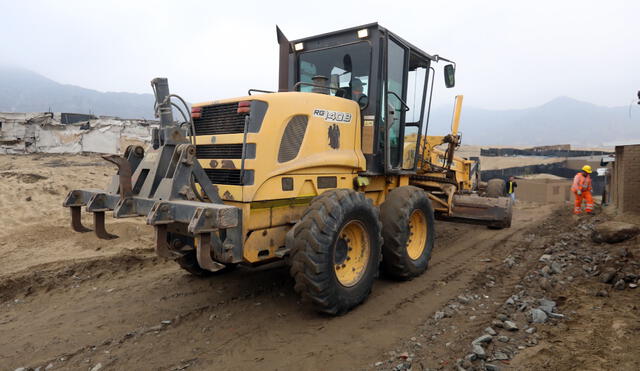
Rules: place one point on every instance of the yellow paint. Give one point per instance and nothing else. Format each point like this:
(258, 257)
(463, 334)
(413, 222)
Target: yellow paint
(417, 234)
(262, 244)
(352, 253)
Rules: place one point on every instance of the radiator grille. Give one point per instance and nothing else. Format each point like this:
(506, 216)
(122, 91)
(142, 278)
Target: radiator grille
(292, 138)
(220, 119)
(224, 176)
(210, 151)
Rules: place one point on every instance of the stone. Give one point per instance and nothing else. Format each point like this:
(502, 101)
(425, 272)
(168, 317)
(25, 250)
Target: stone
(502, 317)
(497, 323)
(470, 357)
(504, 339)
(619, 285)
(166, 322)
(545, 258)
(545, 284)
(547, 305)
(509, 261)
(438, 316)
(463, 299)
(378, 364)
(613, 232)
(510, 326)
(478, 351)
(556, 268)
(633, 285)
(484, 339)
(546, 270)
(530, 330)
(49, 366)
(490, 367)
(607, 276)
(20, 369)
(537, 315)
(97, 367)
(602, 293)
(501, 356)
(490, 331)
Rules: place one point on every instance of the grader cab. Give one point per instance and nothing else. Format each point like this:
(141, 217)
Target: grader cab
(333, 172)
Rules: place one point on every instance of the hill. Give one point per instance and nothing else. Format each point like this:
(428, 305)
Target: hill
(561, 120)
(26, 91)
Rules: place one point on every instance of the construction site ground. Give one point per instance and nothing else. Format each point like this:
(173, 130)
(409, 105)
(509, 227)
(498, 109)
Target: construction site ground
(72, 301)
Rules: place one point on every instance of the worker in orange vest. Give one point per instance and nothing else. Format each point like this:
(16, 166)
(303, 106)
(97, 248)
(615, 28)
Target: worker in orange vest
(582, 190)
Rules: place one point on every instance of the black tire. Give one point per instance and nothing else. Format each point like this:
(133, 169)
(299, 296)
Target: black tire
(318, 242)
(496, 187)
(189, 262)
(395, 214)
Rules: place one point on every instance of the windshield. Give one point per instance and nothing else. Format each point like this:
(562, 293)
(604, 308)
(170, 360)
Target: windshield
(347, 67)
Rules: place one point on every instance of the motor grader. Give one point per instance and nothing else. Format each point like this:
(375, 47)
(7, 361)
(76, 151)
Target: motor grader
(333, 172)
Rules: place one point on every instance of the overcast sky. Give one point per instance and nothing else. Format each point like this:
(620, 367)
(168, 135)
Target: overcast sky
(510, 54)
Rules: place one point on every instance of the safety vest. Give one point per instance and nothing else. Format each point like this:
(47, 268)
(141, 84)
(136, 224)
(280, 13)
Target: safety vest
(581, 183)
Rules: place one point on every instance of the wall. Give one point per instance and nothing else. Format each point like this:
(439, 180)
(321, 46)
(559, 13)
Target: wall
(626, 179)
(544, 190)
(49, 132)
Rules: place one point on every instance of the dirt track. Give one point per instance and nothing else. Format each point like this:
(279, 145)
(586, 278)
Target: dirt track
(74, 301)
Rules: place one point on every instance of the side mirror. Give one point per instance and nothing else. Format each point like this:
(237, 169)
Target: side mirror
(449, 76)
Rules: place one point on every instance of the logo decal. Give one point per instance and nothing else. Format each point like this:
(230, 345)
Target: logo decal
(332, 116)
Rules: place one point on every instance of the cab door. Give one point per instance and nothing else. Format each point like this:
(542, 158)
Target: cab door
(403, 99)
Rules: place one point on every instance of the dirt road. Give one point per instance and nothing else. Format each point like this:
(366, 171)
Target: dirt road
(73, 301)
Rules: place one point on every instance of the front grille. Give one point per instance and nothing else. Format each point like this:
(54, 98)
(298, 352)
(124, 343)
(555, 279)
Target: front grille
(224, 176)
(210, 151)
(220, 119)
(292, 138)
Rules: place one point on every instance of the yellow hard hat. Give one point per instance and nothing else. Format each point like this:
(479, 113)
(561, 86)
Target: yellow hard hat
(587, 169)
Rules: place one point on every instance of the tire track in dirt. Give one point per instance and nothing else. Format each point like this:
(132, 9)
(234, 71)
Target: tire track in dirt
(243, 320)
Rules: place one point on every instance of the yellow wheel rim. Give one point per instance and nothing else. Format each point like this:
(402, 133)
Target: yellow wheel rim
(351, 253)
(417, 234)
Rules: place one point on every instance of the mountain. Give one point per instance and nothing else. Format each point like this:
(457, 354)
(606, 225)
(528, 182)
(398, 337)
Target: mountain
(26, 91)
(561, 121)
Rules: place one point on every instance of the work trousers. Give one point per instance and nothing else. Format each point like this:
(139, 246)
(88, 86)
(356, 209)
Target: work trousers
(586, 196)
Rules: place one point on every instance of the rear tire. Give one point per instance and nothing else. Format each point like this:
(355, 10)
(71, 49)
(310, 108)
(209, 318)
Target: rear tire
(408, 232)
(496, 187)
(336, 254)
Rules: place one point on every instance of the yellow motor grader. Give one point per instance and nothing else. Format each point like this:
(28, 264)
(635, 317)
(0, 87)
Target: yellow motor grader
(333, 172)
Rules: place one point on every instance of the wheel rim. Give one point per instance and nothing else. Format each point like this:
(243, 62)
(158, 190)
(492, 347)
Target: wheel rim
(351, 253)
(417, 234)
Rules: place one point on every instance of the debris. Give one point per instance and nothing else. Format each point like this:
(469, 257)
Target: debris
(463, 299)
(490, 331)
(497, 323)
(97, 367)
(501, 356)
(510, 326)
(482, 340)
(547, 305)
(478, 351)
(633, 285)
(530, 330)
(602, 293)
(438, 316)
(166, 322)
(613, 232)
(537, 316)
(490, 367)
(504, 339)
(607, 276)
(619, 285)
(378, 364)
(545, 258)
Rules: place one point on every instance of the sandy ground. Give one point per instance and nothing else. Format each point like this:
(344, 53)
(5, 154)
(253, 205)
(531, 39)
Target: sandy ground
(72, 301)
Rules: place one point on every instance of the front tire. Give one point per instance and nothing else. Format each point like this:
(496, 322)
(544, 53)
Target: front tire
(336, 253)
(408, 232)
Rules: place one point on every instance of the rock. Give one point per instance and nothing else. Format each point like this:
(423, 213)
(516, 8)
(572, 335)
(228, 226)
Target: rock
(20, 369)
(530, 330)
(49, 366)
(378, 364)
(546, 270)
(463, 299)
(619, 285)
(545, 258)
(607, 276)
(502, 317)
(556, 268)
(504, 339)
(622, 252)
(497, 323)
(155, 328)
(613, 232)
(490, 331)
(403, 355)
(166, 322)
(97, 367)
(28, 198)
(490, 367)
(438, 316)
(478, 351)
(466, 364)
(510, 325)
(501, 356)
(484, 339)
(547, 305)
(602, 293)
(509, 261)
(633, 285)
(537, 316)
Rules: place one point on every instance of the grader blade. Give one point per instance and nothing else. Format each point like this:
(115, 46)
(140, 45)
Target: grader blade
(494, 212)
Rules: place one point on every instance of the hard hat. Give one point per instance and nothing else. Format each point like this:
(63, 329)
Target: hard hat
(587, 169)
